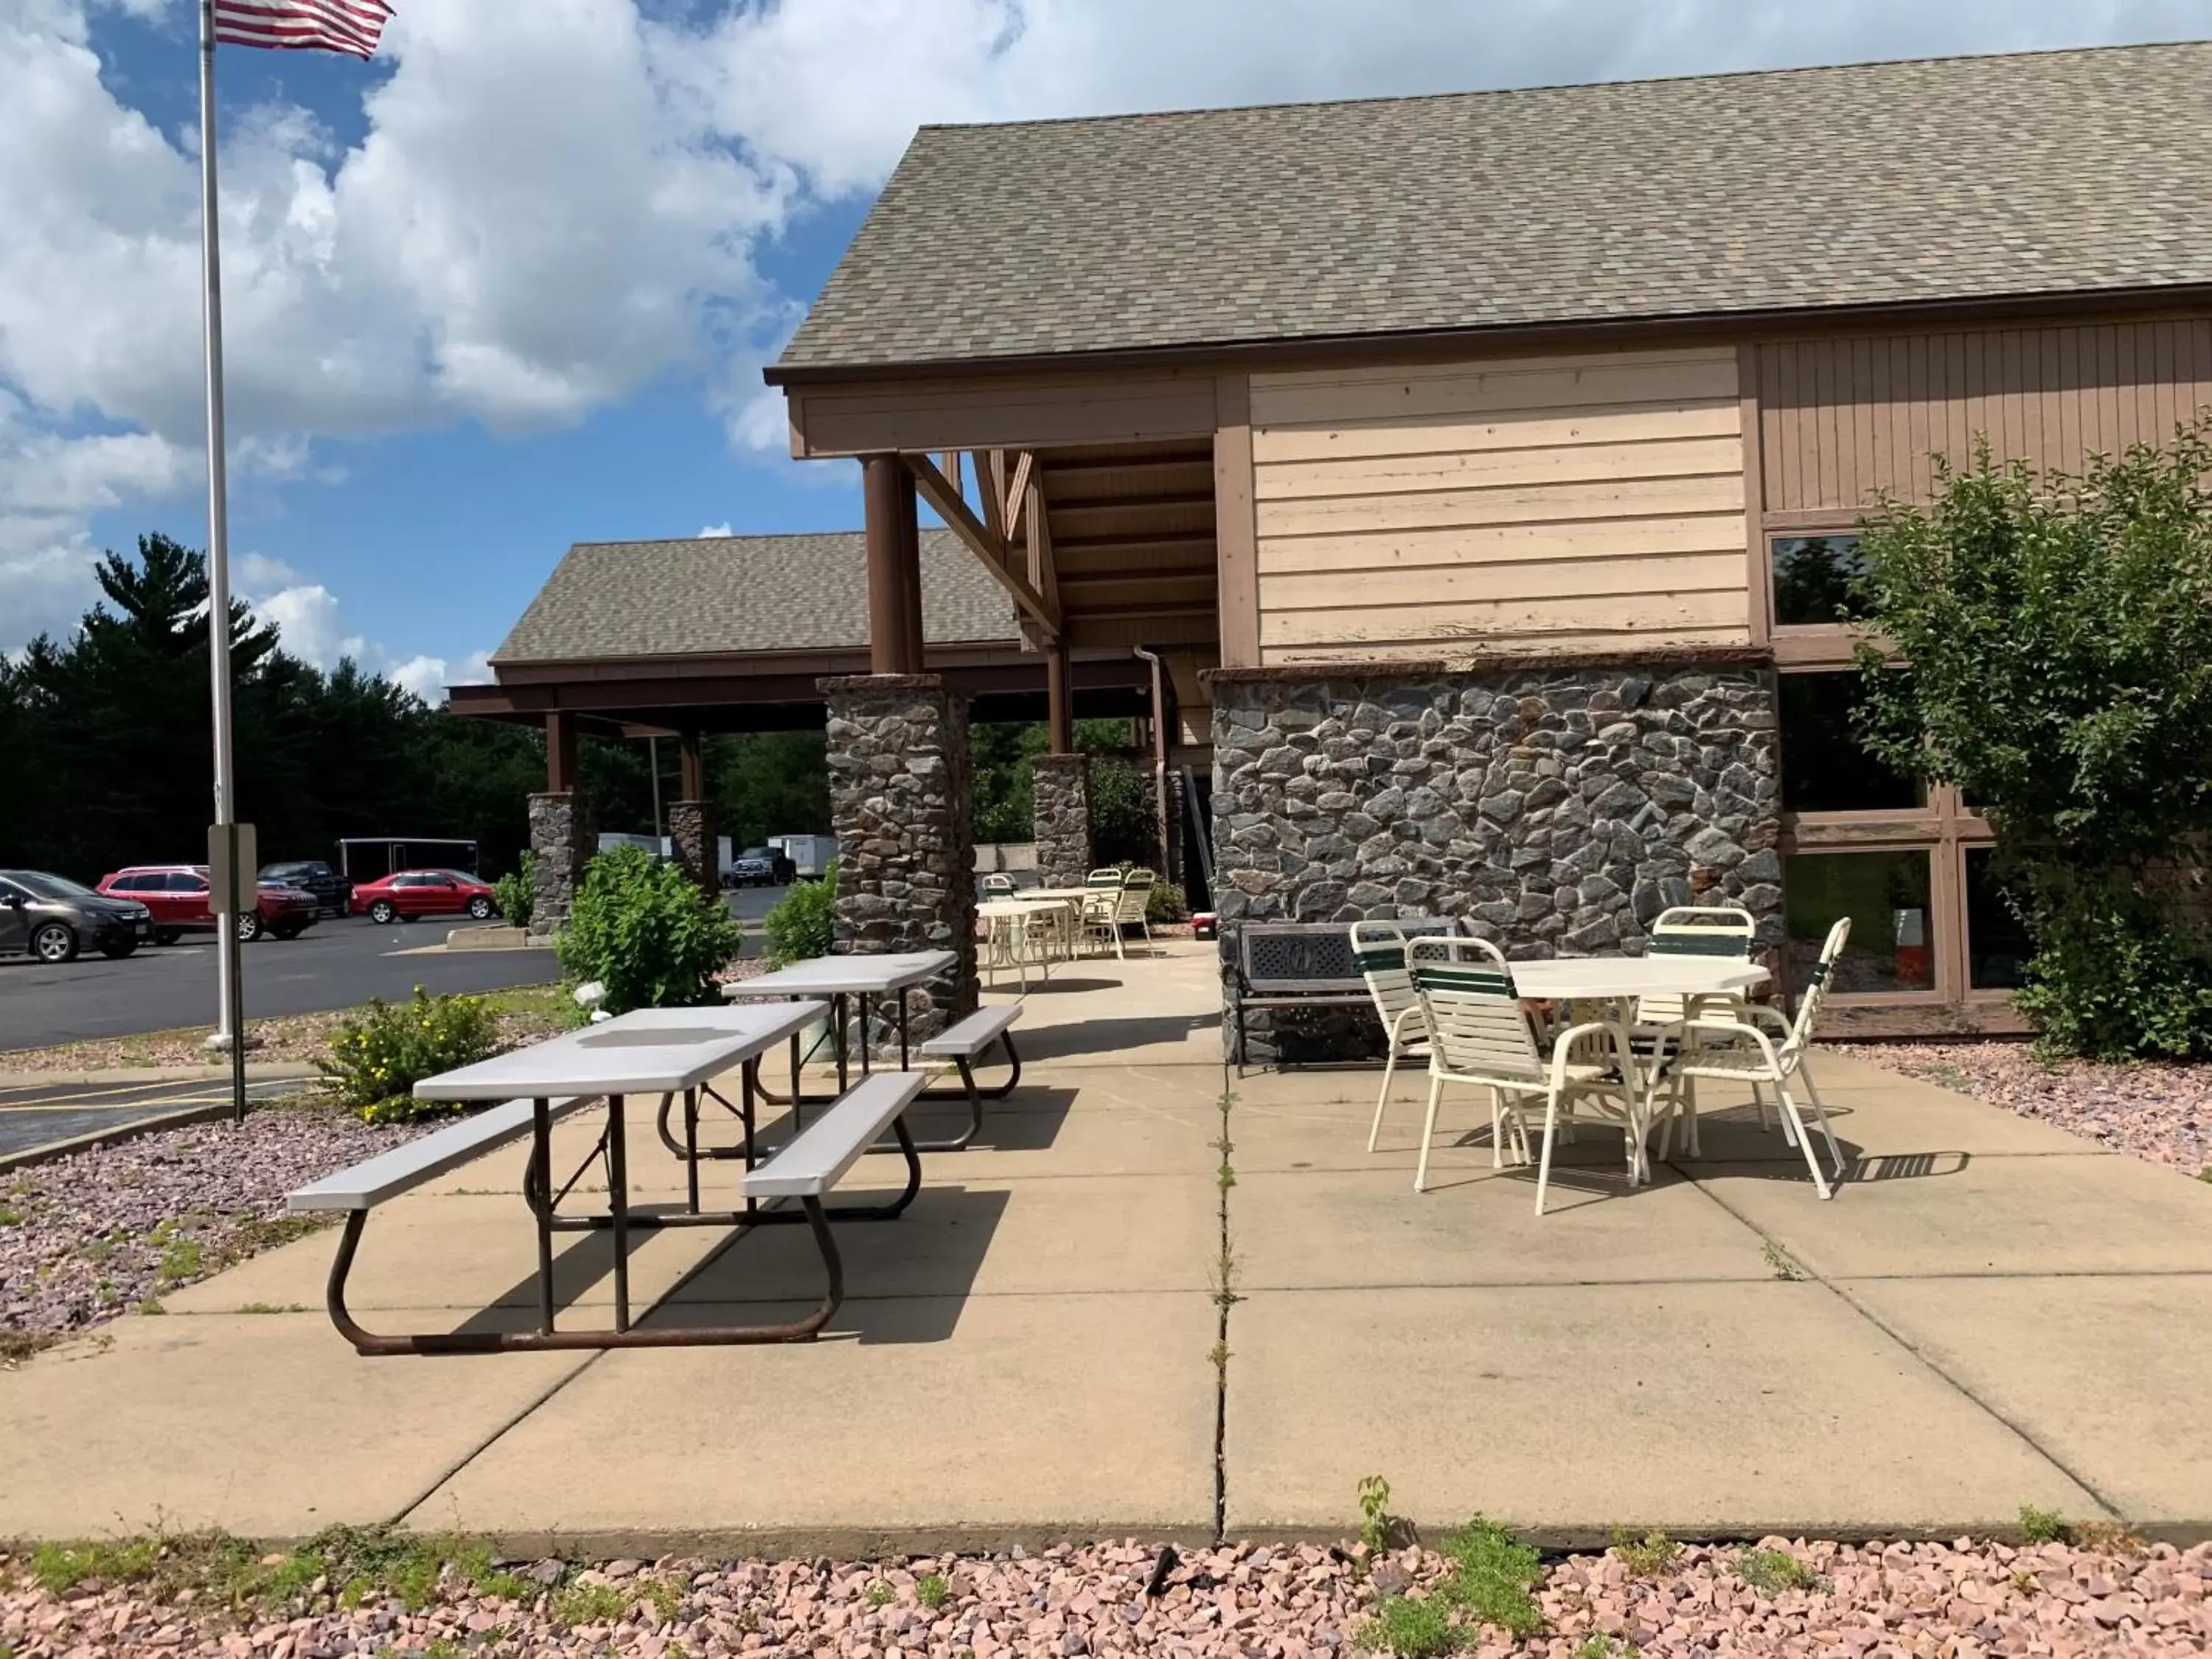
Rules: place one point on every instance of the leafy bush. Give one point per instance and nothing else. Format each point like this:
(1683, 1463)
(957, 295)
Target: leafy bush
(1167, 903)
(648, 932)
(804, 923)
(2061, 651)
(376, 1059)
(516, 892)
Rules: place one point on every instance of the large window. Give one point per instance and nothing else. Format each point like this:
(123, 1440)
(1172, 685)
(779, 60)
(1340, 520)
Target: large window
(1997, 944)
(1887, 897)
(1824, 769)
(1813, 576)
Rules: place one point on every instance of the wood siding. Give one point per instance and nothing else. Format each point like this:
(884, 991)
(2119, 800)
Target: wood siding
(1843, 417)
(1535, 501)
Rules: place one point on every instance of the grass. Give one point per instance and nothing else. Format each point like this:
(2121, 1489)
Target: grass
(1646, 1557)
(932, 1591)
(1490, 1581)
(880, 1595)
(590, 1604)
(1598, 1645)
(1411, 1629)
(1772, 1571)
(12, 1218)
(2041, 1526)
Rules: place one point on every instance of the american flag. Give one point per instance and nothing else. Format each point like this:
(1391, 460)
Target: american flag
(347, 25)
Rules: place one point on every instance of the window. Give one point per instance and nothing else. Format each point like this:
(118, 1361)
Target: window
(1813, 576)
(1887, 897)
(184, 881)
(1997, 945)
(1824, 769)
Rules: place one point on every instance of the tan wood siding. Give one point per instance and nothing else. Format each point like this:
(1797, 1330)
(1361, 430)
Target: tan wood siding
(1841, 418)
(1533, 501)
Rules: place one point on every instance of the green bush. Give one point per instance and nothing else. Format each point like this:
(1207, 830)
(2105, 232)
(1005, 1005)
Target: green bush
(2061, 678)
(648, 933)
(804, 923)
(516, 892)
(377, 1059)
(1167, 903)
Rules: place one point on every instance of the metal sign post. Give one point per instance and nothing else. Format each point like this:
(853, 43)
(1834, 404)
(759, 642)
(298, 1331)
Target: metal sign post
(233, 856)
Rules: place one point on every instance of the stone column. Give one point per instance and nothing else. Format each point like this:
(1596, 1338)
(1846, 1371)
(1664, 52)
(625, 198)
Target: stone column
(1062, 800)
(691, 833)
(563, 838)
(901, 799)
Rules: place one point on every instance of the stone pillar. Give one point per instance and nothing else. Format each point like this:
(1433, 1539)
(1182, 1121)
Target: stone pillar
(1062, 801)
(691, 833)
(563, 838)
(901, 799)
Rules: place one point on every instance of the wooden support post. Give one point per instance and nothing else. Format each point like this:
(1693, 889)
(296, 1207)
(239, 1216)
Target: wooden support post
(893, 544)
(560, 752)
(693, 764)
(1059, 700)
(910, 573)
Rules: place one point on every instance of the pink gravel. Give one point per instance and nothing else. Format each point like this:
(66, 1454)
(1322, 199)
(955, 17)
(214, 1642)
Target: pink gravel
(2156, 1110)
(98, 1233)
(1244, 1601)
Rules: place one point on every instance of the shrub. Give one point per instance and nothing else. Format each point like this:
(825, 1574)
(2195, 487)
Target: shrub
(648, 932)
(804, 923)
(516, 892)
(1167, 903)
(2061, 678)
(378, 1057)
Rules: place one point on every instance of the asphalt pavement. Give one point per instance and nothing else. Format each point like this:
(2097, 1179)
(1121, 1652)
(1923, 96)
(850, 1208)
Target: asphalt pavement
(43, 1113)
(335, 963)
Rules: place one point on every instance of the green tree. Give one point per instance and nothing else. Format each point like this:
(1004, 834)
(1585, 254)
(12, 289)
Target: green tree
(2059, 631)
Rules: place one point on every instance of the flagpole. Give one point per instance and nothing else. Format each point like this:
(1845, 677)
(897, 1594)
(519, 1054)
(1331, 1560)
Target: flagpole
(229, 1012)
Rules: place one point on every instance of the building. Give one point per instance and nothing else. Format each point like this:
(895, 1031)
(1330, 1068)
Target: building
(1480, 459)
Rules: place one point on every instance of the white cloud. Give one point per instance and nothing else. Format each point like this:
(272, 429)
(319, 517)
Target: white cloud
(715, 530)
(313, 628)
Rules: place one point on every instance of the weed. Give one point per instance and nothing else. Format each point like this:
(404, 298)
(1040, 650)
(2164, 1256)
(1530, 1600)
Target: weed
(2205, 1174)
(1646, 1557)
(1222, 1275)
(590, 1604)
(1492, 1573)
(507, 1586)
(881, 1595)
(60, 1568)
(2041, 1526)
(12, 1218)
(1217, 1356)
(932, 1591)
(2105, 1538)
(272, 1308)
(1779, 1261)
(151, 1306)
(1376, 1520)
(1411, 1629)
(18, 1345)
(443, 1647)
(1772, 1571)
(1945, 1075)
(182, 1259)
(1598, 1645)
(666, 1597)
(2025, 1583)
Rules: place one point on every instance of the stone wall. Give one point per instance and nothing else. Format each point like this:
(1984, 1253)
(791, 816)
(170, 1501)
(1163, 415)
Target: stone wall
(692, 837)
(1062, 790)
(902, 800)
(563, 835)
(1556, 807)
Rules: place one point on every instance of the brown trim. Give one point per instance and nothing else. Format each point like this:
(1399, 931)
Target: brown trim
(1060, 710)
(1758, 587)
(1280, 352)
(1236, 523)
(560, 753)
(830, 684)
(1494, 662)
(1841, 519)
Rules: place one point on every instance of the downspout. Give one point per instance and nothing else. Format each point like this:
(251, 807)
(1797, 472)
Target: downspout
(1159, 754)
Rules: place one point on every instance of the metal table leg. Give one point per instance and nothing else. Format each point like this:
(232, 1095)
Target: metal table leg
(541, 1164)
(619, 1206)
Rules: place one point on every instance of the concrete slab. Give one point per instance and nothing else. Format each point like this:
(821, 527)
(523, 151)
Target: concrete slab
(920, 1425)
(1334, 1230)
(1966, 1213)
(1567, 1410)
(1080, 1234)
(2108, 1374)
(459, 1255)
(268, 1426)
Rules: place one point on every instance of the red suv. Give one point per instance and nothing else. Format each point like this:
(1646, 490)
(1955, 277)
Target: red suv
(177, 893)
(407, 893)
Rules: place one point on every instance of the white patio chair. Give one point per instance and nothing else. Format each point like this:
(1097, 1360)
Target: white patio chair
(1742, 1048)
(1479, 1034)
(997, 885)
(1134, 909)
(1101, 909)
(1690, 930)
(1378, 949)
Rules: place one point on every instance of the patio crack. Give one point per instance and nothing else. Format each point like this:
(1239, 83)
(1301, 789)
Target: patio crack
(1224, 1275)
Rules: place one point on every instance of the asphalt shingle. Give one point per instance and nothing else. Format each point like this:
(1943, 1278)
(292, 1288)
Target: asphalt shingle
(1920, 181)
(710, 594)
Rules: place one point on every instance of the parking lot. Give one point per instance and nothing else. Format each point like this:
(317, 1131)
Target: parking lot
(334, 964)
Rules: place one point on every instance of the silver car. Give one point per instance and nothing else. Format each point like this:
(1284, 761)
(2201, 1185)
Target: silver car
(52, 918)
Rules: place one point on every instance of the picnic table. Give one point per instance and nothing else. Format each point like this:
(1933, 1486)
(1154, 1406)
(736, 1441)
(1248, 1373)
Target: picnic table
(840, 979)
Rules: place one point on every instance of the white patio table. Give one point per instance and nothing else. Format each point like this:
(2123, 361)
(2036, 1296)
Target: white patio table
(662, 1051)
(1017, 914)
(840, 979)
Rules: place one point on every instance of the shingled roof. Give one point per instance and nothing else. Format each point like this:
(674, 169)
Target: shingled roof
(1880, 183)
(741, 594)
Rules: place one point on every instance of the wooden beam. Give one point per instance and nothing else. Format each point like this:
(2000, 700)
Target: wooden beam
(887, 499)
(1044, 575)
(990, 466)
(560, 752)
(692, 770)
(1236, 530)
(938, 490)
(1018, 493)
(1059, 706)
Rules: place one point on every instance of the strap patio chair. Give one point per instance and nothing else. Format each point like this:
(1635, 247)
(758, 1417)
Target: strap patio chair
(1378, 949)
(1101, 909)
(1134, 909)
(1479, 1034)
(1740, 1047)
(1689, 930)
(997, 885)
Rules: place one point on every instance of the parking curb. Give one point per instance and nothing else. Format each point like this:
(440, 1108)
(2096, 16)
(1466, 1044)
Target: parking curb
(51, 1150)
(267, 1071)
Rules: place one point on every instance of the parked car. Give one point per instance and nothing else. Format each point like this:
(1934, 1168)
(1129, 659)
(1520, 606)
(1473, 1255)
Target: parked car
(760, 867)
(177, 893)
(412, 893)
(52, 918)
(329, 888)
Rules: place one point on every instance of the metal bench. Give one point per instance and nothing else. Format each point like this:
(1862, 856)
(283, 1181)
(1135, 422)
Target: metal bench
(1304, 964)
(963, 1044)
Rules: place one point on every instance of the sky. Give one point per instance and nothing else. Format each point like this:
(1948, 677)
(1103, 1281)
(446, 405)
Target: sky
(511, 285)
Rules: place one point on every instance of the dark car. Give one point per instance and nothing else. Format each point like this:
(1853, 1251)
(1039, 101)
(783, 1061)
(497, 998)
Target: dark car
(413, 893)
(330, 890)
(177, 893)
(760, 867)
(52, 918)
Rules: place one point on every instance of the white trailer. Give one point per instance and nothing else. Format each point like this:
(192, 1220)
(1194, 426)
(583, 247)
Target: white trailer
(810, 855)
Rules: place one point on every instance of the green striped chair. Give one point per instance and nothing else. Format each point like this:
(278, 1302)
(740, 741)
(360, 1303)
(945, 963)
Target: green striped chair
(1479, 1035)
(1732, 1047)
(1691, 930)
(1378, 949)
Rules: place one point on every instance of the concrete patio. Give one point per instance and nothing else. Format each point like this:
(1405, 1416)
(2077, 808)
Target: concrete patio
(1992, 1313)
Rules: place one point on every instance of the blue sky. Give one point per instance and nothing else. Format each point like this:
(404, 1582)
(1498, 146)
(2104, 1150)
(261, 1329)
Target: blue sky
(510, 285)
